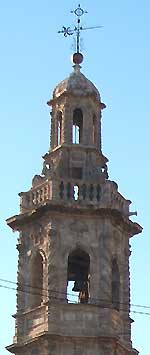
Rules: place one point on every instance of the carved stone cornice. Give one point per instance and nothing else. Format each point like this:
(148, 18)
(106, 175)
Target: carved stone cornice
(17, 221)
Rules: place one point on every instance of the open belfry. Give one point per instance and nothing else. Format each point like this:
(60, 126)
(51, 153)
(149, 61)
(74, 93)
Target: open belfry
(74, 232)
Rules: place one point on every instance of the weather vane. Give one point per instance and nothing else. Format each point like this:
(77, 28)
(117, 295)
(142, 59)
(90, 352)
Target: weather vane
(67, 31)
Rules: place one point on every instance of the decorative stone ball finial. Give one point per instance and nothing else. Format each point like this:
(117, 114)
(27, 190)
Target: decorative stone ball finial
(77, 58)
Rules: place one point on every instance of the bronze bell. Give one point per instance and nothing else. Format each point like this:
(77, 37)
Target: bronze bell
(78, 286)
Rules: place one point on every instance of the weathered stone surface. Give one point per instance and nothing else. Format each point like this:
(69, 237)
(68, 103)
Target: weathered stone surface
(73, 210)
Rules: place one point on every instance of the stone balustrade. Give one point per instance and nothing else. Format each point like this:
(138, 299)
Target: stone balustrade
(36, 196)
(104, 195)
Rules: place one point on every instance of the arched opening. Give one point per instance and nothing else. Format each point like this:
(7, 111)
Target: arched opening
(94, 129)
(59, 128)
(115, 285)
(79, 275)
(36, 280)
(77, 127)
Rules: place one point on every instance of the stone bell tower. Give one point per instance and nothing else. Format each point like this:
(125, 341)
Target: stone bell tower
(74, 229)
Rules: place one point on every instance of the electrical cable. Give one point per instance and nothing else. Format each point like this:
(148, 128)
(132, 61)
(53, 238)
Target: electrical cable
(68, 294)
(69, 300)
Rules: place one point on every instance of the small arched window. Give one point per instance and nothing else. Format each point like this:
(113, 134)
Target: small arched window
(79, 274)
(36, 280)
(77, 126)
(115, 285)
(59, 128)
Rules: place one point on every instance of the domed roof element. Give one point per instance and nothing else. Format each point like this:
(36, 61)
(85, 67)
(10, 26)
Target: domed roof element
(76, 84)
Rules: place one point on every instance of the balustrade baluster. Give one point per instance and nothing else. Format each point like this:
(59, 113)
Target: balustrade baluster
(91, 192)
(42, 195)
(69, 190)
(45, 193)
(84, 191)
(61, 190)
(98, 192)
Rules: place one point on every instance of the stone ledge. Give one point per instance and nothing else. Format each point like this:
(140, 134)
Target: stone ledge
(17, 221)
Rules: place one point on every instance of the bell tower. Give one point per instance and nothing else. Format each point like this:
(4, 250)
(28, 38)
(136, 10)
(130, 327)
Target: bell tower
(74, 230)
(76, 131)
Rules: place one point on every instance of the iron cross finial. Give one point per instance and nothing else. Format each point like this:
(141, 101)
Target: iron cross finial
(67, 31)
(79, 11)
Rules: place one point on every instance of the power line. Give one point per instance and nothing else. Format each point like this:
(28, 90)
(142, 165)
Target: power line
(64, 293)
(69, 300)
(75, 302)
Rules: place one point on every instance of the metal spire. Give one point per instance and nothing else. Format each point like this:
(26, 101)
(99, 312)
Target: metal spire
(67, 31)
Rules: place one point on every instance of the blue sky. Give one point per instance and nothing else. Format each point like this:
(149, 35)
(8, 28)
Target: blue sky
(34, 58)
